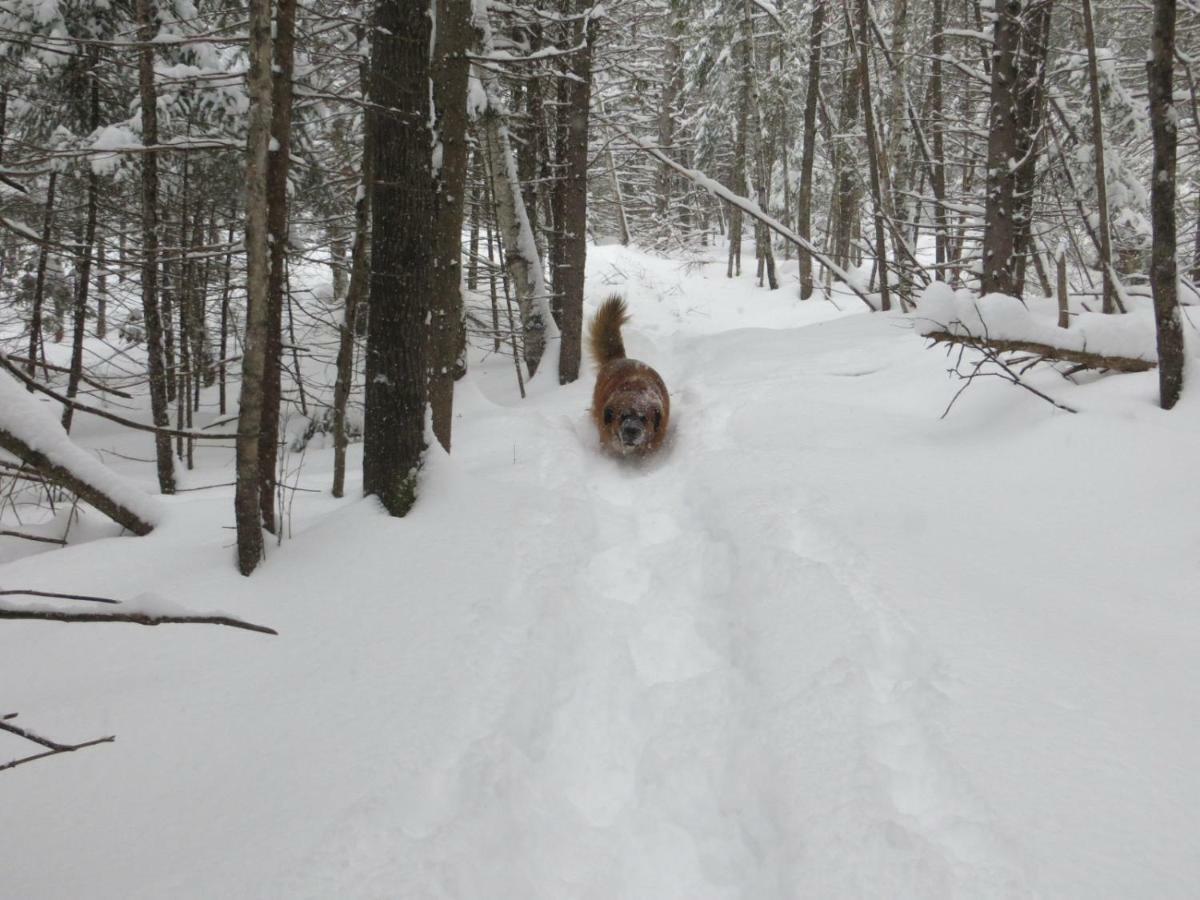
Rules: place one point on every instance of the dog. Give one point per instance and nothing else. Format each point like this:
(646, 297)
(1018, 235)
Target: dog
(630, 405)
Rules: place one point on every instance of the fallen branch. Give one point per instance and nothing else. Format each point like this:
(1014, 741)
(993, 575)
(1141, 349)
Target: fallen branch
(83, 376)
(1045, 351)
(134, 618)
(992, 356)
(53, 748)
(105, 414)
(91, 493)
(54, 594)
(31, 537)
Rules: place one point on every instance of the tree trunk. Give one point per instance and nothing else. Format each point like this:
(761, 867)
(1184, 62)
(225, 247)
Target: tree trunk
(999, 235)
(1163, 277)
(101, 291)
(804, 209)
(672, 88)
(738, 180)
(473, 239)
(762, 169)
(223, 350)
(1031, 79)
(258, 265)
(83, 268)
(874, 162)
(528, 145)
(520, 251)
(150, 308)
(573, 226)
(360, 275)
(36, 336)
(450, 71)
(937, 131)
(278, 163)
(1109, 304)
(402, 218)
(846, 217)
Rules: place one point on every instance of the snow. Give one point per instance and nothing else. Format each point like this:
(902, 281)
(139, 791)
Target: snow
(118, 137)
(825, 645)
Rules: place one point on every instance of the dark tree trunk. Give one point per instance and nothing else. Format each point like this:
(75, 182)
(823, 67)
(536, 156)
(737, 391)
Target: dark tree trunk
(1109, 303)
(530, 138)
(737, 181)
(846, 161)
(39, 285)
(101, 291)
(1031, 80)
(1163, 276)
(804, 209)
(473, 240)
(167, 311)
(356, 291)
(150, 309)
(937, 130)
(401, 275)
(258, 266)
(223, 349)
(83, 268)
(450, 70)
(762, 167)
(672, 88)
(999, 232)
(874, 162)
(278, 163)
(573, 225)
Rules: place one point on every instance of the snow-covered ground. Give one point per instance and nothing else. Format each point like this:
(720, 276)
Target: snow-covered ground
(827, 645)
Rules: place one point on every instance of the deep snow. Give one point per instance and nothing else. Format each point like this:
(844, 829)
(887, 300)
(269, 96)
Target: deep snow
(827, 645)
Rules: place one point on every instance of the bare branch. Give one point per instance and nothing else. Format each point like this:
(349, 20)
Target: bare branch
(132, 617)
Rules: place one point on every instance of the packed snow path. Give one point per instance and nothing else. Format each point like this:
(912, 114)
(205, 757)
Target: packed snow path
(825, 645)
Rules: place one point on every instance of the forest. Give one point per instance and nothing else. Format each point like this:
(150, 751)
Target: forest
(850, 554)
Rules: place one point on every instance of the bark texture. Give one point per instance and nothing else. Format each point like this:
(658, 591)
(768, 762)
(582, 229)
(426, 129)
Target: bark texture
(804, 208)
(450, 99)
(246, 496)
(278, 164)
(402, 219)
(573, 222)
(152, 318)
(999, 234)
(1164, 279)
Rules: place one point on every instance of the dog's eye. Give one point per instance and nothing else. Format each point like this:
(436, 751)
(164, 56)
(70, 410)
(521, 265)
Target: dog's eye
(608, 415)
(657, 418)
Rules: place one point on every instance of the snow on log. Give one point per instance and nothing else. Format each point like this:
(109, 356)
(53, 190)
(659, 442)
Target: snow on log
(1123, 343)
(32, 434)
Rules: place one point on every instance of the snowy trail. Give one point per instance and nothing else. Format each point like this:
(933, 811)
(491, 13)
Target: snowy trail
(824, 646)
(719, 705)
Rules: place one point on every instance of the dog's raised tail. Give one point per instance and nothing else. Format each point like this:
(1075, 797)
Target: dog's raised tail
(604, 335)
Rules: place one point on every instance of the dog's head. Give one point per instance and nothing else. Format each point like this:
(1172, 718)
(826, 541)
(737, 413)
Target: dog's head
(630, 421)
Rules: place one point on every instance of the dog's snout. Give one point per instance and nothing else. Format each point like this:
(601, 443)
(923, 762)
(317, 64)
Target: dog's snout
(631, 430)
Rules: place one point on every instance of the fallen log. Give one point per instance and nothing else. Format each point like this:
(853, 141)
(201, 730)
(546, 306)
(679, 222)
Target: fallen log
(1046, 351)
(33, 434)
(86, 491)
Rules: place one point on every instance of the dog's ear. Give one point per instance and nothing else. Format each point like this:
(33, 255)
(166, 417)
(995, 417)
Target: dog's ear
(608, 415)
